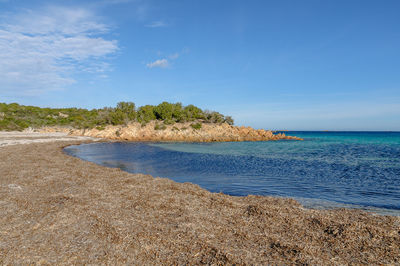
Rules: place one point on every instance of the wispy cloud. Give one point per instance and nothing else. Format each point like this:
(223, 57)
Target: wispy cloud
(161, 63)
(156, 24)
(166, 61)
(42, 50)
(174, 56)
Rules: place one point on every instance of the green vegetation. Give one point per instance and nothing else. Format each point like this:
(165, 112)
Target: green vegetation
(196, 126)
(19, 117)
(160, 127)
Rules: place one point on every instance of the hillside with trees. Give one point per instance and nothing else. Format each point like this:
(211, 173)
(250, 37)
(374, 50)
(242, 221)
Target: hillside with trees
(19, 117)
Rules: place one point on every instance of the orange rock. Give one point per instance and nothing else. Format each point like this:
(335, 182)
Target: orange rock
(177, 132)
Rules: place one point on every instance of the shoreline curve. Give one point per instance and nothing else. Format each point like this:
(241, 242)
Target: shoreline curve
(59, 209)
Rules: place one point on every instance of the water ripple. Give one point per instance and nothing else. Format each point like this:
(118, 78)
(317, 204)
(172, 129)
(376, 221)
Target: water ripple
(361, 169)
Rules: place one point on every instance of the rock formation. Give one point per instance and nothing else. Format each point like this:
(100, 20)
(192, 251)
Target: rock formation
(176, 132)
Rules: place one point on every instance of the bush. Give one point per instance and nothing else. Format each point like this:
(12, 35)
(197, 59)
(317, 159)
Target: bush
(196, 126)
(21, 124)
(177, 112)
(192, 113)
(160, 127)
(169, 122)
(229, 120)
(146, 113)
(164, 111)
(128, 108)
(18, 117)
(118, 117)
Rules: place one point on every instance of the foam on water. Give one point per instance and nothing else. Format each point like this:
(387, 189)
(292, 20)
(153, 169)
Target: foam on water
(327, 169)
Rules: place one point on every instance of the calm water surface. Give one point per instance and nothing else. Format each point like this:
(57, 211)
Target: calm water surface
(327, 169)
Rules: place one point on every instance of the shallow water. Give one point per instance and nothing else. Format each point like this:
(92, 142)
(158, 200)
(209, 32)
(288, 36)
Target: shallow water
(327, 169)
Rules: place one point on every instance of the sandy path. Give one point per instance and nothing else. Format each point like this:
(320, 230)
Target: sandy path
(57, 209)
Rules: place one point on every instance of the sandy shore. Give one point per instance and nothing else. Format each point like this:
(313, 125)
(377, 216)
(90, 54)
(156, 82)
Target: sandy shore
(57, 209)
(14, 138)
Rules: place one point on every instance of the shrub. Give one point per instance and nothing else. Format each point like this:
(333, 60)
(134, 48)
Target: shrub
(128, 108)
(117, 117)
(169, 122)
(164, 111)
(177, 112)
(18, 117)
(229, 120)
(160, 127)
(146, 113)
(192, 113)
(214, 117)
(196, 126)
(21, 124)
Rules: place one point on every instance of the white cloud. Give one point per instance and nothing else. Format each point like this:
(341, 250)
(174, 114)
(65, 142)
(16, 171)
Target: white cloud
(41, 51)
(162, 63)
(156, 24)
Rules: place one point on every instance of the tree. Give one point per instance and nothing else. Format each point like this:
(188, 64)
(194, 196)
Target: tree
(146, 113)
(229, 120)
(177, 112)
(192, 112)
(215, 117)
(118, 117)
(127, 108)
(164, 111)
(17, 117)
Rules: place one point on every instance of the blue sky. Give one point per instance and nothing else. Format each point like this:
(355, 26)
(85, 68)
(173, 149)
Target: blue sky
(296, 65)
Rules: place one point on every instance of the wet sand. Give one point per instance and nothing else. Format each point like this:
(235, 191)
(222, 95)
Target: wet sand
(57, 209)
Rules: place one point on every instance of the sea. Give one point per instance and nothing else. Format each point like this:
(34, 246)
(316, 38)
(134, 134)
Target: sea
(326, 170)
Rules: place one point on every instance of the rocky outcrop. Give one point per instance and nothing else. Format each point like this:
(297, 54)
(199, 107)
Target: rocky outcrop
(176, 132)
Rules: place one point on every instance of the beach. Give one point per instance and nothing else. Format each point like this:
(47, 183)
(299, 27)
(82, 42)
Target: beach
(58, 209)
(14, 138)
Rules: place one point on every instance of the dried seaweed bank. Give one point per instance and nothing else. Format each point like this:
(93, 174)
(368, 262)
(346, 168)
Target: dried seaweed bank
(57, 209)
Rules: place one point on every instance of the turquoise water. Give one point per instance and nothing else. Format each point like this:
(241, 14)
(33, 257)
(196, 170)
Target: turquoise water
(327, 169)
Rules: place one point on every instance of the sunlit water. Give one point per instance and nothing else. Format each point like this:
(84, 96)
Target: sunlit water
(327, 169)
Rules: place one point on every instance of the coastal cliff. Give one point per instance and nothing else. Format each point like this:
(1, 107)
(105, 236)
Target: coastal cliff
(187, 132)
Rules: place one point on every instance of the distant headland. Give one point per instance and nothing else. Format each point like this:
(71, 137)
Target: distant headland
(163, 122)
